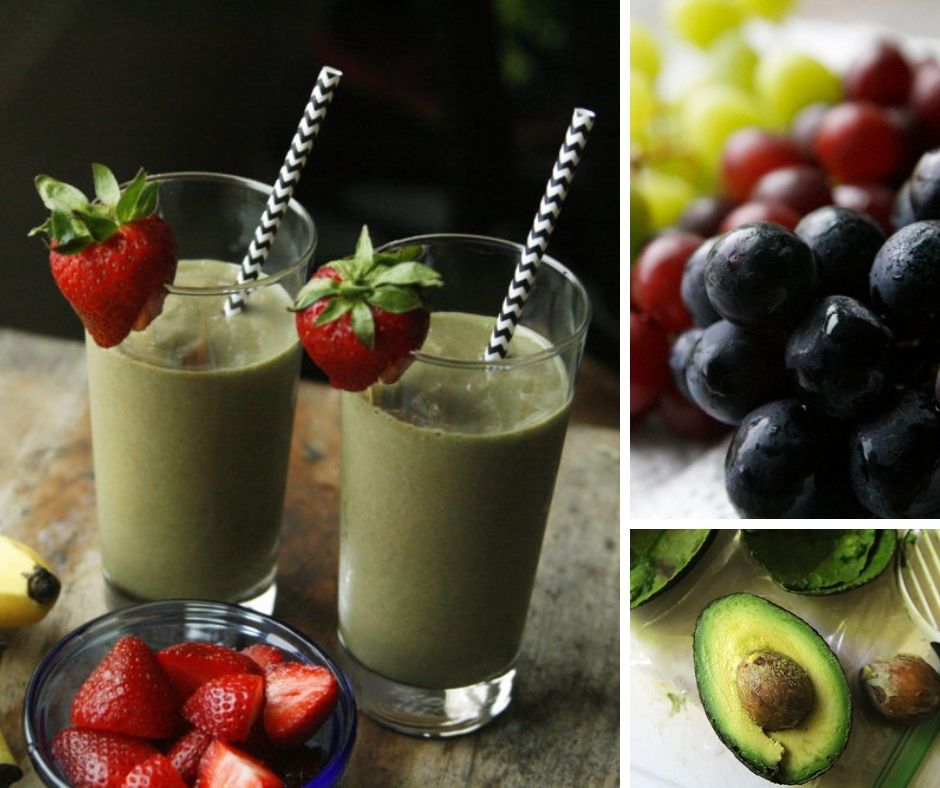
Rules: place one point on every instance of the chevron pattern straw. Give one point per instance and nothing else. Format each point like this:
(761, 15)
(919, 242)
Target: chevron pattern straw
(287, 179)
(582, 120)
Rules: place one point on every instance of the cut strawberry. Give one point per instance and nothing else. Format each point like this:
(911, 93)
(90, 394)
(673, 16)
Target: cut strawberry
(156, 772)
(190, 665)
(298, 699)
(360, 318)
(264, 655)
(225, 766)
(228, 706)
(186, 753)
(128, 693)
(98, 759)
(111, 259)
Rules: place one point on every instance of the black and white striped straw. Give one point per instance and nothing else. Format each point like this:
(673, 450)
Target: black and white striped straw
(287, 178)
(549, 207)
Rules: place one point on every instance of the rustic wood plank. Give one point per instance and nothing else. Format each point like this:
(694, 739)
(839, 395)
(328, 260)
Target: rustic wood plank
(563, 725)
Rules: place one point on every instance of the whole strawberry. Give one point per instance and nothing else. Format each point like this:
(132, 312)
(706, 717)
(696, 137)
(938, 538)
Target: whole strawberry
(361, 317)
(110, 258)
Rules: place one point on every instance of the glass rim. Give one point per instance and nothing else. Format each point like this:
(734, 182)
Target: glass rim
(515, 362)
(257, 186)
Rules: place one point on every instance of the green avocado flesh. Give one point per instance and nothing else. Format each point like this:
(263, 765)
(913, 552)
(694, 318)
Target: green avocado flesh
(660, 558)
(727, 631)
(821, 562)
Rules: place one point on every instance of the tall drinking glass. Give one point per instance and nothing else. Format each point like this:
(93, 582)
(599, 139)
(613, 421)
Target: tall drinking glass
(447, 479)
(191, 418)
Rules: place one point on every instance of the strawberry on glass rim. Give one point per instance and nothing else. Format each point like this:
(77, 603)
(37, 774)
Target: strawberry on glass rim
(110, 258)
(360, 318)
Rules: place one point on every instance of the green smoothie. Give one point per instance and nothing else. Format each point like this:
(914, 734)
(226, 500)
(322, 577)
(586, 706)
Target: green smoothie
(447, 478)
(191, 429)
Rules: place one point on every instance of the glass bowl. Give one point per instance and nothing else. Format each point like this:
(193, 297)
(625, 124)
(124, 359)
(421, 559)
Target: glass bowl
(57, 678)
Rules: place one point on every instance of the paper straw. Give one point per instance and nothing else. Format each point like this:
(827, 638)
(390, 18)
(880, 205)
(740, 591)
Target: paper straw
(287, 178)
(550, 206)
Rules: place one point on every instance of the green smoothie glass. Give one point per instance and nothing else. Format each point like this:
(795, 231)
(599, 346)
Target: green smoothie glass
(447, 479)
(192, 417)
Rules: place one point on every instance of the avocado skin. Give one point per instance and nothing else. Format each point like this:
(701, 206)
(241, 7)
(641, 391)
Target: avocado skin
(684, 565)
(879, 558)
(770, 773)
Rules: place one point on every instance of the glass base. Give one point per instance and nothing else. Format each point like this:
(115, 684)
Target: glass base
(419, 711)
(261, 602)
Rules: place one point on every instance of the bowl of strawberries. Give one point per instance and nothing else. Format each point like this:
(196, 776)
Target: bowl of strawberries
(179, 693)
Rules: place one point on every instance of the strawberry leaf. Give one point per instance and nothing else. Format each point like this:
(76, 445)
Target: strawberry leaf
(127, 204)
(405, 254)
(363, 325)
(107, 189)
(336, 308)
(71, 236)
(393, 298)
(58, 196)
(147, 203)
(363, 259)
(409, 273)
(313, 291)
(100, 227)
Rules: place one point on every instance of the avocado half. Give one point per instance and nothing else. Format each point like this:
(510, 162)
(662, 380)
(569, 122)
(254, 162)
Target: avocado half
(660, 558)
(728, 630)
(822, 562)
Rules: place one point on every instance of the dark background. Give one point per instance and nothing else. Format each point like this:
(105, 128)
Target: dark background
(449, 117)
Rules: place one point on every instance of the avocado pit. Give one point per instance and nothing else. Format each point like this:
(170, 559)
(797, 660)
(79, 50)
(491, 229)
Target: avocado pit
(904, 688)
(775, 691)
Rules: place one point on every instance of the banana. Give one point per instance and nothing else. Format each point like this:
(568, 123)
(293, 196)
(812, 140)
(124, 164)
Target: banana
(28, 588)
(9, 771)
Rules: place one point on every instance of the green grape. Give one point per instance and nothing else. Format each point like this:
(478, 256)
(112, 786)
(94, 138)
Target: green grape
(642, 104)
(665, 195)
(640, 229)
(788, 81)
(644, 50)
(732, 60)
(770, 9)
(709, 114)
(702, 21)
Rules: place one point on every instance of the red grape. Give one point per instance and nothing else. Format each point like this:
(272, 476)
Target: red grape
(873, 199)
(881, 75)
(804, 127)
(658, 278)
(686, 417)
(649, 362)
(802, 187)
(703, 216)
(761, 212)
(858, 142)
(925, 95)
(751, 153)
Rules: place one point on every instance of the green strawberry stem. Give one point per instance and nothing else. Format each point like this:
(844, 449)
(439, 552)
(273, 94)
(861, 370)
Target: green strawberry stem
(76, 222)
(393, 281)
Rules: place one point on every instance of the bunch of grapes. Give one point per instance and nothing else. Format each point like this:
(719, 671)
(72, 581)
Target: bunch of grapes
(676, 149)
(811, 291)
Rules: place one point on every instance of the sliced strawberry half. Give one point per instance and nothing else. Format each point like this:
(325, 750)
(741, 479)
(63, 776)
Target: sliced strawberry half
(190, 665)
(264, 655)
(187, 751)
(360, 318)
(156, 772)
(128, 693)
(298, 699)
(111, 258)
(98, 759)
(228, 706)
(225, 766)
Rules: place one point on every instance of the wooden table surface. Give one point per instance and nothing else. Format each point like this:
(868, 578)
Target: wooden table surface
(563, 727)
